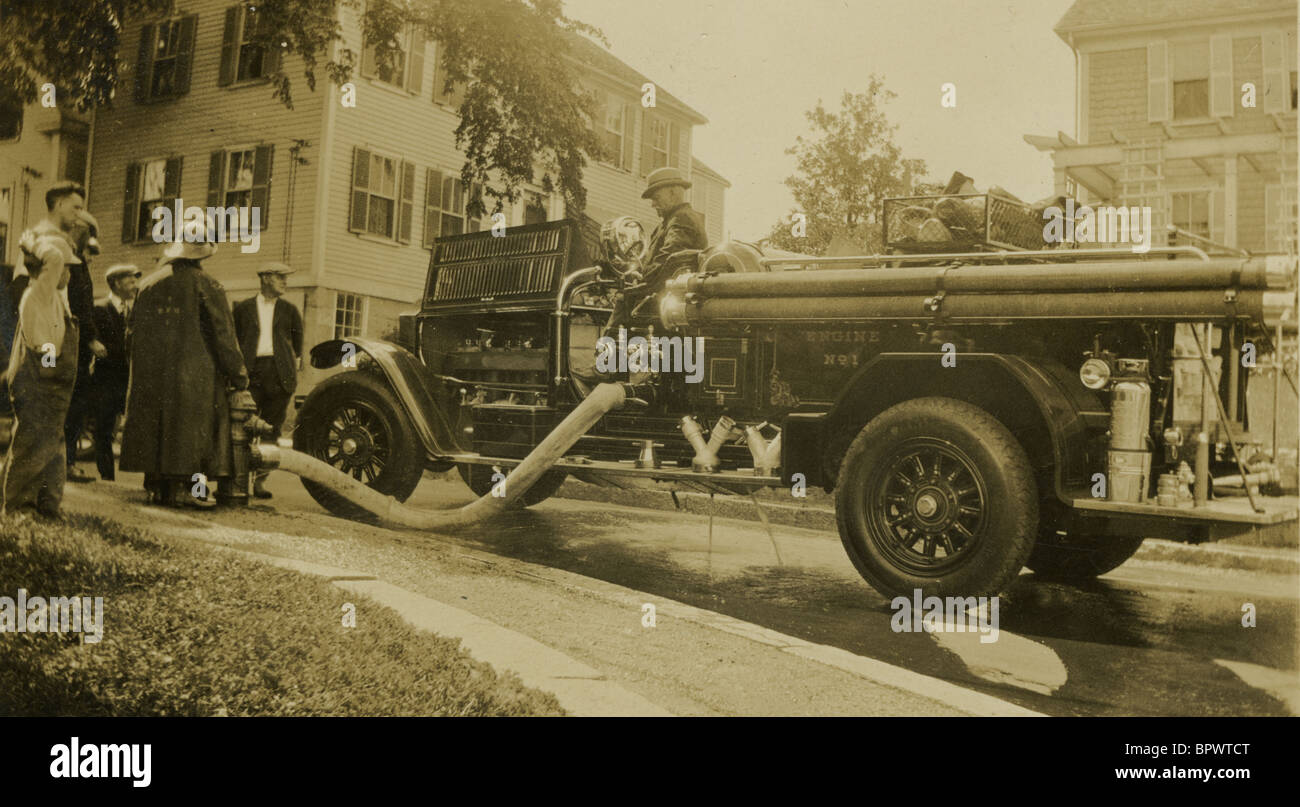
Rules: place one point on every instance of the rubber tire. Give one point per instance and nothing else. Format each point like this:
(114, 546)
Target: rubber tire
(1080, 557)
(479, 480)
(995, 454)
(405, 466)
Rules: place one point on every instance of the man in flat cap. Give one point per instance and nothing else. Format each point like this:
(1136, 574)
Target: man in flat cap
(108, 381)
(680, 227)
(269, 329)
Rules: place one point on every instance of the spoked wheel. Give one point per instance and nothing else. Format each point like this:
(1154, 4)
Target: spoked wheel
(930, 505)
(935, 494)
(354, 423)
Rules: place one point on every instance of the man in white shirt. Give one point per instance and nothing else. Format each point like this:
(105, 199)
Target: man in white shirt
(269, 330)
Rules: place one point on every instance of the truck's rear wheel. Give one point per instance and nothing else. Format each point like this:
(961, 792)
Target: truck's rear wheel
(936, 494)
(353, 422)
(1080, 557)
(479, 480)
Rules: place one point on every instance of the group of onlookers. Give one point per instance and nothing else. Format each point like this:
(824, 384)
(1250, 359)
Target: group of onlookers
(166, 350)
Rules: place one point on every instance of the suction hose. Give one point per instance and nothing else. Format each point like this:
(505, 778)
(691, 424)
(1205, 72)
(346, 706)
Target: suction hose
(604, 398)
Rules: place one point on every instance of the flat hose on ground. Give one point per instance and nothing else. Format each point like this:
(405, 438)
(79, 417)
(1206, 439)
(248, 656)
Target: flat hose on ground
(604, 398)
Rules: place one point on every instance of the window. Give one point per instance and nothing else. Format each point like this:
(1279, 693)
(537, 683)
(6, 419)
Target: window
(72, 157)
(149, 185)
(241, 178)
(535, 207)
(445, 198)
(349, 315)
(243, 57)
(1190, 211)
(163, 65)
(1293, 94)
(658, 143)
(1190, 71)
(401, 65)
(383, 191)
(11, 116)
(615, 134)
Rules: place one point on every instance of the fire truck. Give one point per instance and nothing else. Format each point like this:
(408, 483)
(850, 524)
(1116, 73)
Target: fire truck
(972, 411)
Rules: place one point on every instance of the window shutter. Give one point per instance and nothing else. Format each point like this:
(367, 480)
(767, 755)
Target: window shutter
(130, 202)
(172, 178)
(144, 63)
(647, 142)
(216, 178)
(230, 46)
(439, 75)
(272, 60)
(626, 158)
(1277, 82)
(1222, 95)
(368, 60)
(185, 53)
(261, 191)
(415, 63)
(601, 112)
(360, 190)
(674, 145)
(407, 202)
(1159, 94)
(432, 204)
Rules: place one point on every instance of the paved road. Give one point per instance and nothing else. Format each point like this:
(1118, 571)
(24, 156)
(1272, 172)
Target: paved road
(1148, 639)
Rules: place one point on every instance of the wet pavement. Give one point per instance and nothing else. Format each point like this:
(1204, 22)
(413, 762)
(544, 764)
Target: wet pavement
(1148, 639)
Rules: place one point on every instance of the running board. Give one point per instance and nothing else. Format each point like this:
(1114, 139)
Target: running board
(1277, 510)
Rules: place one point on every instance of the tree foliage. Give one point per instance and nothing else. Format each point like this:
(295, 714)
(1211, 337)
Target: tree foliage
(846, 166)
(523, 118)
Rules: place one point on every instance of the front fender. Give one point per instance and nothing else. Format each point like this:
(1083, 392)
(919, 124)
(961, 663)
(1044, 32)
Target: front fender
(428, 404)
(1005, 385)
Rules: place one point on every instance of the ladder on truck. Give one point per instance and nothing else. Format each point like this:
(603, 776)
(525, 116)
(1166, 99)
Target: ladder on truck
(1142, 181)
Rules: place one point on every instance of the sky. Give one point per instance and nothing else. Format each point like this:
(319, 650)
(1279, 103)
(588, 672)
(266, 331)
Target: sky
(754, 67)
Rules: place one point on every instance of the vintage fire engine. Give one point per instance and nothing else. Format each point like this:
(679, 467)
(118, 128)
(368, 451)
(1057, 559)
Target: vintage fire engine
(973, 412)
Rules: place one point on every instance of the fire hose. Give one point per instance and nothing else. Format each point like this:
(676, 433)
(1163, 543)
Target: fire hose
(604, 398)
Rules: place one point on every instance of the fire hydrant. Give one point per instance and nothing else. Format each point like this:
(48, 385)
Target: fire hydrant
(245, 426)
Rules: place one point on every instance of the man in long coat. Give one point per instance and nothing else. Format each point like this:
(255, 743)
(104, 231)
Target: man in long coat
(185, 362)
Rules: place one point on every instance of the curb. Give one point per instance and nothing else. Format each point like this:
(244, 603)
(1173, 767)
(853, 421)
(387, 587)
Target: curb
(1221, 555)
(582, 690)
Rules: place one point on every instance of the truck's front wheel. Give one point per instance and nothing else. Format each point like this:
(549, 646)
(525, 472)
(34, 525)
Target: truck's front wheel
(936, 494)
(355, 423)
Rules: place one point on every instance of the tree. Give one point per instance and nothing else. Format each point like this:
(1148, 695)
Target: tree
(847, 166)
(523, 112)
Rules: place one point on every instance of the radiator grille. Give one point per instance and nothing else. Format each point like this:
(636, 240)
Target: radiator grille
(478, 267)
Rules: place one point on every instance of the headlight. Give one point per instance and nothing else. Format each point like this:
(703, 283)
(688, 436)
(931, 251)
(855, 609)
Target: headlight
(672, 311)
(1095, 373)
